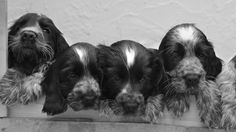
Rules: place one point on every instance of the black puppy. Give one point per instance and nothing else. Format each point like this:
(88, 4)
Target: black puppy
(33, 43)
(33, 40)
(73, 79)
(132, 77)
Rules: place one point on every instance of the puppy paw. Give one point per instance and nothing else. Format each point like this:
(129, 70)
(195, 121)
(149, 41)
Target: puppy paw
(154, 109)
(228, 120)
(178, 106)
(211, 120)
(55, 106)
(211, 117)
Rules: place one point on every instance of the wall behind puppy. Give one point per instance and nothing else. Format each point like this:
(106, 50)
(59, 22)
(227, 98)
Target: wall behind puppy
(107, 21)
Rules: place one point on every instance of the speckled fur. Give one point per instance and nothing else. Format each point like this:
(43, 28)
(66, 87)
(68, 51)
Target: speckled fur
(209, 104)
(227, 84)
(207, 93)
(15, 87)
(154, 109)
(151, 112)
(84, 85)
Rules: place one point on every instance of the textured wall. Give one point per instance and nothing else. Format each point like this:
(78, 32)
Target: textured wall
(146, 21)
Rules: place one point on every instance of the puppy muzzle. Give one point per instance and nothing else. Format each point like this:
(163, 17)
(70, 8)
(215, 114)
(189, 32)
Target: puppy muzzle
(187, 76)
(85, 95)
(192, 80)
(130, 102)
(28, 38)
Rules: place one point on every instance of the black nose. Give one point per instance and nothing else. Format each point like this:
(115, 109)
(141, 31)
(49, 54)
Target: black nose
(130, 102)
(192, 79)
(90, 95)
(28, 36)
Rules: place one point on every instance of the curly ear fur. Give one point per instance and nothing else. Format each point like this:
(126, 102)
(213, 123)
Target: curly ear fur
(213, 66)
(226, 82)
(157, 63)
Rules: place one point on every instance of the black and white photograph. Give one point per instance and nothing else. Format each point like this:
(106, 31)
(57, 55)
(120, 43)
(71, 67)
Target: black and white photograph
(118, 66)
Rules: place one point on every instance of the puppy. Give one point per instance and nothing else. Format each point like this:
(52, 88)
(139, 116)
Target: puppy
(73, 79)
(33, 43)
(133, 75)
(192, 66)
(226, 81)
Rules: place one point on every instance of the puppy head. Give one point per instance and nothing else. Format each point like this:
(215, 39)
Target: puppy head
(189, 57)
(77, 77)
(131, 74)
(33, 39)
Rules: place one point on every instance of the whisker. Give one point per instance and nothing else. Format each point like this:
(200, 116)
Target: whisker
(46, 49)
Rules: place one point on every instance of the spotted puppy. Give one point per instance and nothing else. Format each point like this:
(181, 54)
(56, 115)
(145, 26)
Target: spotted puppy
(33, 40)
(133, 76)
(192, 66)
(73, 80)
(33, 43)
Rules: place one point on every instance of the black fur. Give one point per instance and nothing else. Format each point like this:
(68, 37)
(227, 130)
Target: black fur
(33, 57)
(65, 73)
(145, 76)
(211, 63)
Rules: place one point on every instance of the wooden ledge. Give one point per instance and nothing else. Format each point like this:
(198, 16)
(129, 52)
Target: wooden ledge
(43, 125)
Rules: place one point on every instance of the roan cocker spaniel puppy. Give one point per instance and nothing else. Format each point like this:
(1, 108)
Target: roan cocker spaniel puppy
(132, 79)
(33, 43)
(192, 66)
(74, 79)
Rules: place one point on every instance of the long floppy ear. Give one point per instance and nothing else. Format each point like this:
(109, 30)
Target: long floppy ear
(10, 59)
(101, 74)
(54, 102)
(213, 65)
(159, 75)
(11, 32)
(226, 81)
(61, 44)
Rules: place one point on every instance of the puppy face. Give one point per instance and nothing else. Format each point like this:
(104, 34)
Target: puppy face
(76, 79)
(33, 39)
(189, 58)
(131, 74)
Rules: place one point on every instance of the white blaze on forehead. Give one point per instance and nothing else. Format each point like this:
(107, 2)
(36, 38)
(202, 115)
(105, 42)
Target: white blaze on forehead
(130, 56)
(187, 33)
(82, 54)
(36, 28)
(125, 89)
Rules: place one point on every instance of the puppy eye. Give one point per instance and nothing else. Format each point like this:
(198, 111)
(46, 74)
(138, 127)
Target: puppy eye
(142, 79)
(116, 78)
(72, 75)
(201, 55)
(46, 30)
